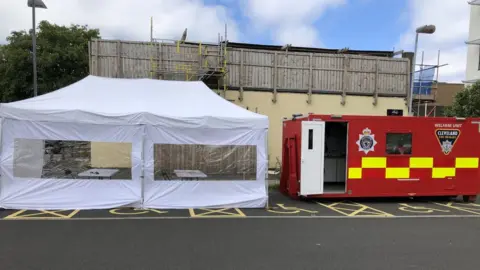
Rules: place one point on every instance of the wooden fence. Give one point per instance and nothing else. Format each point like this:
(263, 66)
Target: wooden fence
(255, 69)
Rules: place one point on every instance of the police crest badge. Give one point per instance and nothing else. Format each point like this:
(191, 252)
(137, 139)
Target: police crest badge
(366, 141)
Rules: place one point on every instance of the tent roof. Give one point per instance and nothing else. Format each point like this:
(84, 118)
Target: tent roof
(103, 100)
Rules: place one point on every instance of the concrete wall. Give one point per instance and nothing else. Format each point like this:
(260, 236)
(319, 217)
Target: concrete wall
(290, 103)
(473, 51)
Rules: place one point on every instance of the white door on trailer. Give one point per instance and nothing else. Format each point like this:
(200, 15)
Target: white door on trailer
(312, 157)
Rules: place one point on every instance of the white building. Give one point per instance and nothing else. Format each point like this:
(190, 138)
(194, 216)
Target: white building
(473, 52)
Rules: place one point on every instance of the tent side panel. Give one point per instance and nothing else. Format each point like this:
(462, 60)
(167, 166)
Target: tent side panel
(49, 166)
(188, 168)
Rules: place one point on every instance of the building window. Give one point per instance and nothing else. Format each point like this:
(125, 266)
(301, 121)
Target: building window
(399, 144)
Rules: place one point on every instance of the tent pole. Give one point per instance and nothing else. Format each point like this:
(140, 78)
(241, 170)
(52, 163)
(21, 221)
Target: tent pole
(1, 148)
(142, 177)
(266, 171)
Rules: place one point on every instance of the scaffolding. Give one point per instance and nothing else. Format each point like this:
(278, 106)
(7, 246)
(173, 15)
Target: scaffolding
(182, 60)
(423, 96)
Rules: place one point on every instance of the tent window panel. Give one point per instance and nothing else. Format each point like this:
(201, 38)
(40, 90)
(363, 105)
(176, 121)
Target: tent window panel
(67, 159)
(192, 162)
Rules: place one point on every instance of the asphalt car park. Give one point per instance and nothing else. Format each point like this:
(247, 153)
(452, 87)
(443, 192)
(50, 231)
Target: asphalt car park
(392, 234)
(279, 206)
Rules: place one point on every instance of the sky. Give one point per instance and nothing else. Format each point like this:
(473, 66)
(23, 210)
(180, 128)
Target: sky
(356, 24)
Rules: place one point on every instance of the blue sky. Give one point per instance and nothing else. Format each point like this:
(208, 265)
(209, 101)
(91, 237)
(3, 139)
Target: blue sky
(372, 25)
(357, 24)
(362, 24)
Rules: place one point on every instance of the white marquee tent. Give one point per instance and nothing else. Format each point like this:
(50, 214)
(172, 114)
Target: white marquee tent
(138, 115)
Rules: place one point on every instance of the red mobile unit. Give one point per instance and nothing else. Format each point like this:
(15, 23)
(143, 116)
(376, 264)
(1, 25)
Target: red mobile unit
(328, 156)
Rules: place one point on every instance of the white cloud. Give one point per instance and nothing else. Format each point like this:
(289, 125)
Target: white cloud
(291, 21)
(451, 18)
(125, 19)
(298, 35)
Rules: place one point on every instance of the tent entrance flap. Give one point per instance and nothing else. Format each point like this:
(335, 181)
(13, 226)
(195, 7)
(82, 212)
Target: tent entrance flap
(312, 157)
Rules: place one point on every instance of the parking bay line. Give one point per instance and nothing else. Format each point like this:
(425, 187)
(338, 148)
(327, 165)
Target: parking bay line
(42, 214)
(465, 207)
(359, 210)
(244, 217)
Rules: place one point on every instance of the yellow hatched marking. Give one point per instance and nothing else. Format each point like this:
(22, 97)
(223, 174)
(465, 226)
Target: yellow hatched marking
(354, 173)
(466, 163)
(397, 173)
(135, 211)
(217, 213)
(353, 209)
(43, 214)
(472, 208)
(419, 209)
(374, 162)
(443, 172)
(419, 163)
(290, 210)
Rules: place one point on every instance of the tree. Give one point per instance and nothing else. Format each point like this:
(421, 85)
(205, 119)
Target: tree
(466, 103)
(62, 59)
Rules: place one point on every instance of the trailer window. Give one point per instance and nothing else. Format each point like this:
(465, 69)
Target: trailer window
(399, 144)
(310, 139)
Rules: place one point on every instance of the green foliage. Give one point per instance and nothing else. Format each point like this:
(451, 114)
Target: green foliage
(62, 59)
(466, 103)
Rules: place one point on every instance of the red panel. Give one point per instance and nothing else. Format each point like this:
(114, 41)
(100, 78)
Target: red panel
(422, 174)
(373, 174)
(398, 161)
(444, 161)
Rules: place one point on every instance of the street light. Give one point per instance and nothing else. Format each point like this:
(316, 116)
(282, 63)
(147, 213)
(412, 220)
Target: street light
(426, 29)
(35, 4)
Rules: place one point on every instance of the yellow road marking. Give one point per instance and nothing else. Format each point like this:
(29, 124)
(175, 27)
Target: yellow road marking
(290, 210)
(217, 213)
(419, 209)
(135, 211)
(51, 214)
(467, 207)
(353, 209)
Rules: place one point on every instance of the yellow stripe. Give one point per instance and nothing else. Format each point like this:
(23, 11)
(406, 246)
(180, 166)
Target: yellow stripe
(354, 173)
(421, 163)
(443, 172)
(374, 162)
(397, 173)
(466, 163)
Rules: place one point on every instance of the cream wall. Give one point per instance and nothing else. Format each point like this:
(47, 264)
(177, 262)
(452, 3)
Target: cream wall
(288, 104)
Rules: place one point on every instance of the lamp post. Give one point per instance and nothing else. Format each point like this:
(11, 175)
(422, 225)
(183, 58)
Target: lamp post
(35, 4)
(426, 29)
